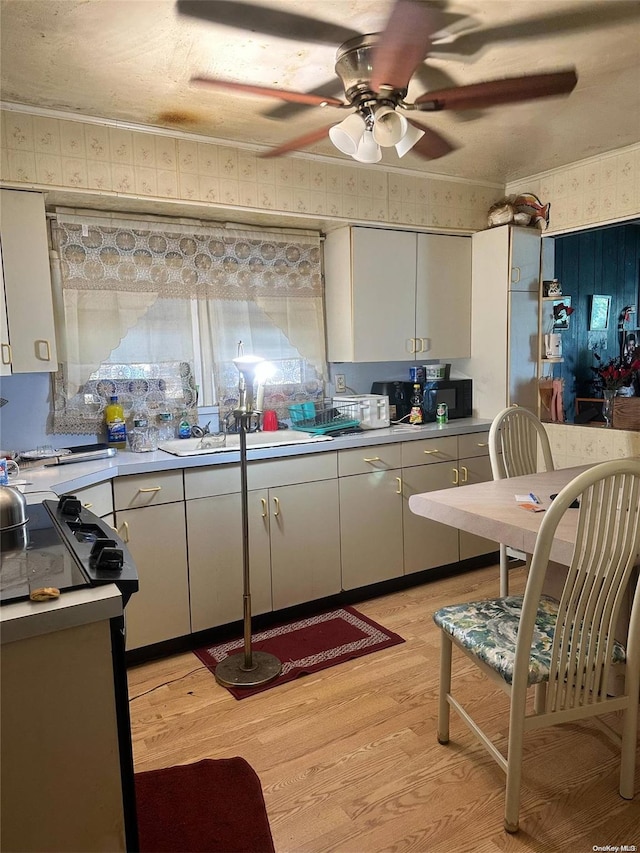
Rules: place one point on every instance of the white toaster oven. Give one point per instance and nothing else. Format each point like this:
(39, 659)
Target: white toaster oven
(372, 410)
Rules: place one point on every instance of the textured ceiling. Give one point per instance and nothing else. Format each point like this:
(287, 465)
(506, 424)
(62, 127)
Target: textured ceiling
(131, 60)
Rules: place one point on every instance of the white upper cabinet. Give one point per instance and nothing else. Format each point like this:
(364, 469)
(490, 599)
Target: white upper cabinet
(396, 295)
(28, 333)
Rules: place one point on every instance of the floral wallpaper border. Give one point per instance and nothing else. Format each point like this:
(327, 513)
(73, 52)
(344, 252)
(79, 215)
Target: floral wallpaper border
(47, 152)
(44, 151)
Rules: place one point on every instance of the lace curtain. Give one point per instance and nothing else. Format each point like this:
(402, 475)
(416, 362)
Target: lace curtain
(150, 309)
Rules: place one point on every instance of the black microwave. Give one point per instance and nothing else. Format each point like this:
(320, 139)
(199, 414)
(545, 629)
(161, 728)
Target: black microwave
(456, 393)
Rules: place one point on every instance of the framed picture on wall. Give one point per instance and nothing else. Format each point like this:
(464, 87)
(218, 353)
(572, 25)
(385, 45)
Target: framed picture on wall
(599, 313)
(561, 312)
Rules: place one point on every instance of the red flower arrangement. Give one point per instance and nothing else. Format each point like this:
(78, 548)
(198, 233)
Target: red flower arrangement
(614, 374)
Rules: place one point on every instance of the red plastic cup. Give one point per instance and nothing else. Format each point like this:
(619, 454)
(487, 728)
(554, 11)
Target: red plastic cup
(269, 421)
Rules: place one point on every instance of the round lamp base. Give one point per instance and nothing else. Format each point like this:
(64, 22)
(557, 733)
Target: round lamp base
(232, 672)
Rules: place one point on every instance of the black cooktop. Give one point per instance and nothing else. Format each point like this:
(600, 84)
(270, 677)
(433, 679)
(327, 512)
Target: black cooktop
(66, 547)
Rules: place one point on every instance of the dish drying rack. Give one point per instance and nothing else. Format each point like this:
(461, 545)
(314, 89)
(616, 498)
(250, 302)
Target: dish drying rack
(306, 417)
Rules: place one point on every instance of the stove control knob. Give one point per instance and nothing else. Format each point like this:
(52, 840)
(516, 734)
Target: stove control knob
(106, 555)
(69, 505)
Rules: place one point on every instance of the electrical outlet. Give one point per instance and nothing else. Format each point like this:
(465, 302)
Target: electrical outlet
(341, 385)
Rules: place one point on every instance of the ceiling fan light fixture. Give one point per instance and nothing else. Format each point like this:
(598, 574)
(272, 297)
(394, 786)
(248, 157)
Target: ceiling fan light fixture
(389, 127)
(414, 134)
(368, 149)
(346, 136)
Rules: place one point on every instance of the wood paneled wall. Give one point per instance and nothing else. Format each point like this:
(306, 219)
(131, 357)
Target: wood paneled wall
(602, 261)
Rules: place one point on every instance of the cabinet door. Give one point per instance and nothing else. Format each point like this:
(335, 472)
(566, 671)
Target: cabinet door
(27, 281)
(427, 543)
(384, 287)
(371, 528)
(214, 534)
(526, 246)
(370, 288)
(156, 539)
(443, 296)
(305, 542)
(475, 469)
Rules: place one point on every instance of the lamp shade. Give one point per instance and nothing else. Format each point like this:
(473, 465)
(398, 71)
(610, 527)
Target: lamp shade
(368, 149)
(410, 138)
(250, 388)
(389, 127)
(346, 136)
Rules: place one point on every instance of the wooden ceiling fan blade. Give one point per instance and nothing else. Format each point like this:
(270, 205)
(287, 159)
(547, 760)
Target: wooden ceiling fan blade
(271, 92)
(432, 145)
(298, 143)
(580, 16)
(327, 90)
(493, 92)
(260, 19)
(404, 43)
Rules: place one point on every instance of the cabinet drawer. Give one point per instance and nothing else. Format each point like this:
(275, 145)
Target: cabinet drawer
(429, 450)
(473, 444)
(138, 490)
(270, 473)
(212, 481)
(96, 498)
(379, 457)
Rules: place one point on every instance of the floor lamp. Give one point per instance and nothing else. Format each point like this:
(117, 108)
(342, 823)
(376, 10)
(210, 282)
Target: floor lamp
(247, 668)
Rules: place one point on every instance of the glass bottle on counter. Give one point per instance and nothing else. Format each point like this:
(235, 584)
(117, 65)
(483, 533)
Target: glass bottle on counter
(143, 438)
(415, 415)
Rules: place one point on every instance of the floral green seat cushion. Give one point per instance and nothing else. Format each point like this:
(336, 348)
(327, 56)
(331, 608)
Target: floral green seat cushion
(488, 629)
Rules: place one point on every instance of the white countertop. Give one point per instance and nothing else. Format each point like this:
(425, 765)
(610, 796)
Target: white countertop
(48, 482)
(26, 619)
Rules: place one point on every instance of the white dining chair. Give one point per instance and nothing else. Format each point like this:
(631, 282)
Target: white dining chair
(515, 437)
(566, 649)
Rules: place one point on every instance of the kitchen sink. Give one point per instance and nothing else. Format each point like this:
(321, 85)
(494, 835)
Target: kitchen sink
(281, 438)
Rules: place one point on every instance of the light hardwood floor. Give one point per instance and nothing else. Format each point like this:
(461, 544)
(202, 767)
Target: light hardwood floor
(349, 761)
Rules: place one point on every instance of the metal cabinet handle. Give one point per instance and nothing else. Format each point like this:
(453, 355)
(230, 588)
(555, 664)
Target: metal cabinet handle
(465, 474)
(6, 353)
(515, 270)
(430, 452)
(411, 348)
(371, 459)
(125, 531)
(264, 507)
(483, 444)
(39, 343)
(87, 506)
(151, 489)
(277, 507)
(456, 477)
(425, 344)
(399, 489)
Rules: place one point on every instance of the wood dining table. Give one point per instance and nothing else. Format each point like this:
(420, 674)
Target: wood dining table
(491, 510)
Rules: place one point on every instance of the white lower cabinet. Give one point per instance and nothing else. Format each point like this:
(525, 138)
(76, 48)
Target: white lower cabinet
(370, 514)
(294, 539)
(381, 537)
(214, 531)
(155, 535)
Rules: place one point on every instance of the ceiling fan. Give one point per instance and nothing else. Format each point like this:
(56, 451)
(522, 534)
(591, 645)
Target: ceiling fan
(375, 71)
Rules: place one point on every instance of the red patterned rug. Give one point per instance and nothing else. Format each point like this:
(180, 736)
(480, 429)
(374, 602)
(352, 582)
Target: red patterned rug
(212, 806)
(307, 645)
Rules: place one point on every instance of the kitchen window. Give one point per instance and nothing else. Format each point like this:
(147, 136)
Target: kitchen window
(153, 310)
